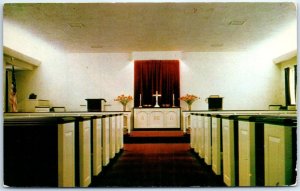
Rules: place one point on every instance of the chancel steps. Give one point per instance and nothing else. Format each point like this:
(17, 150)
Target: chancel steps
(157, 136)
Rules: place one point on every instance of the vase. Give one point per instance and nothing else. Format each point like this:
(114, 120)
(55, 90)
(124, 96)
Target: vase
(189, 107)
(124, 107)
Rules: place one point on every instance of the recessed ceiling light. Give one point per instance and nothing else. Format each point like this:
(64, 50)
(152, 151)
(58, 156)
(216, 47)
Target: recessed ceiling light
(236, 22)
(76, 25)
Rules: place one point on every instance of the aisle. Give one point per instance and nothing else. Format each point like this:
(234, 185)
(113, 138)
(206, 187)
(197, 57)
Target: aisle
(157, 165)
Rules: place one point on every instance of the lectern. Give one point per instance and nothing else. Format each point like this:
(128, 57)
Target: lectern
(215, 103)
(95, 104)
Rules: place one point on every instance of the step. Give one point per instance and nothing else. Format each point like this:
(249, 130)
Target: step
(156, 137)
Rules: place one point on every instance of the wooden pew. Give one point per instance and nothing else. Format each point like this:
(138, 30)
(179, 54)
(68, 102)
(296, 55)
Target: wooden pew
(83, 151)
(193, 131)
(216, 132)
(127, 118)
(118, 130)
(251, 150)
(186, 120)
(253, 174)
(232, 174)
(39, 151)
(201, 137)
(250, 143)
(122, 124)
(105, 140)
(112, 132)
(197, 132)
(112, 136)
(102, 130)
(230, 150)
(216, 141)
(253, 147)
(207, 139)
(280, 154)
(97, 144)
(94, 121)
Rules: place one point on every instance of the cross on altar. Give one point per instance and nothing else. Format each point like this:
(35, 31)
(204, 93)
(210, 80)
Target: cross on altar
(156, 95)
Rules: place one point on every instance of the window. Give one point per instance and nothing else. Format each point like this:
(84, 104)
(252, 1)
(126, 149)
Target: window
(290, 85)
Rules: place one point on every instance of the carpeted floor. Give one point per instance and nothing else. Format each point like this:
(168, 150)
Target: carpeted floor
(157, 165)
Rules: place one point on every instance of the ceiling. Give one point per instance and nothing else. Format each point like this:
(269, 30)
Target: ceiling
(129, 27)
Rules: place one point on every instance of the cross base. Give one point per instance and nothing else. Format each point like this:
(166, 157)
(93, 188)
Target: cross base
(156, 105)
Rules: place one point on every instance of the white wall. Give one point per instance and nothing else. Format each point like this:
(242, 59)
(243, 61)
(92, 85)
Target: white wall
(47, 81)
(98, 76)
(60, 74)
(157, 55)
(246, 80)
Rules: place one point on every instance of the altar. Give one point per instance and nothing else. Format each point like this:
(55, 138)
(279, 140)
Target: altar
(156, 117)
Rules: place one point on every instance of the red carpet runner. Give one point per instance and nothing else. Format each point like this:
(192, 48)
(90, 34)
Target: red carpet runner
(157, 165)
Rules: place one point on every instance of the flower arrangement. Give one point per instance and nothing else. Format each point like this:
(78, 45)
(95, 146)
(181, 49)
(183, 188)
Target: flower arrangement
(189, 99)
(124, 100)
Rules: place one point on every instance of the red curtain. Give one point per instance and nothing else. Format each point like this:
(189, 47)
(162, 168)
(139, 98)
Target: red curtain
(156, 75)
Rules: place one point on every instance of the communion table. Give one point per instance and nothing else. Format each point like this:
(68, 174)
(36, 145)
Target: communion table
(156, 117)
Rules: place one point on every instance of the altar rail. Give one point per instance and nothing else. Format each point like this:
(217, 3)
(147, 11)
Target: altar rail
(255, 148)
(59, 149)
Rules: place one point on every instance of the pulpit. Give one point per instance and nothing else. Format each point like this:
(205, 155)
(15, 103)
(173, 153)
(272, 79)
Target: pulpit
(215, 103)
(94, 105)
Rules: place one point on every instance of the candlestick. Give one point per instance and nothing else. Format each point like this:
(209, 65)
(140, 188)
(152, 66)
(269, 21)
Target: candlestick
(173, 101)
(140, 100)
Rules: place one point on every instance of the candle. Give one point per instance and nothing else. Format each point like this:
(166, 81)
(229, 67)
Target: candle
(140, 100)
(173, 101)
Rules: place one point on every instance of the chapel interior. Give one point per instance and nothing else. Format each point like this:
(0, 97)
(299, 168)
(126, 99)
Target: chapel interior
(149, 94)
